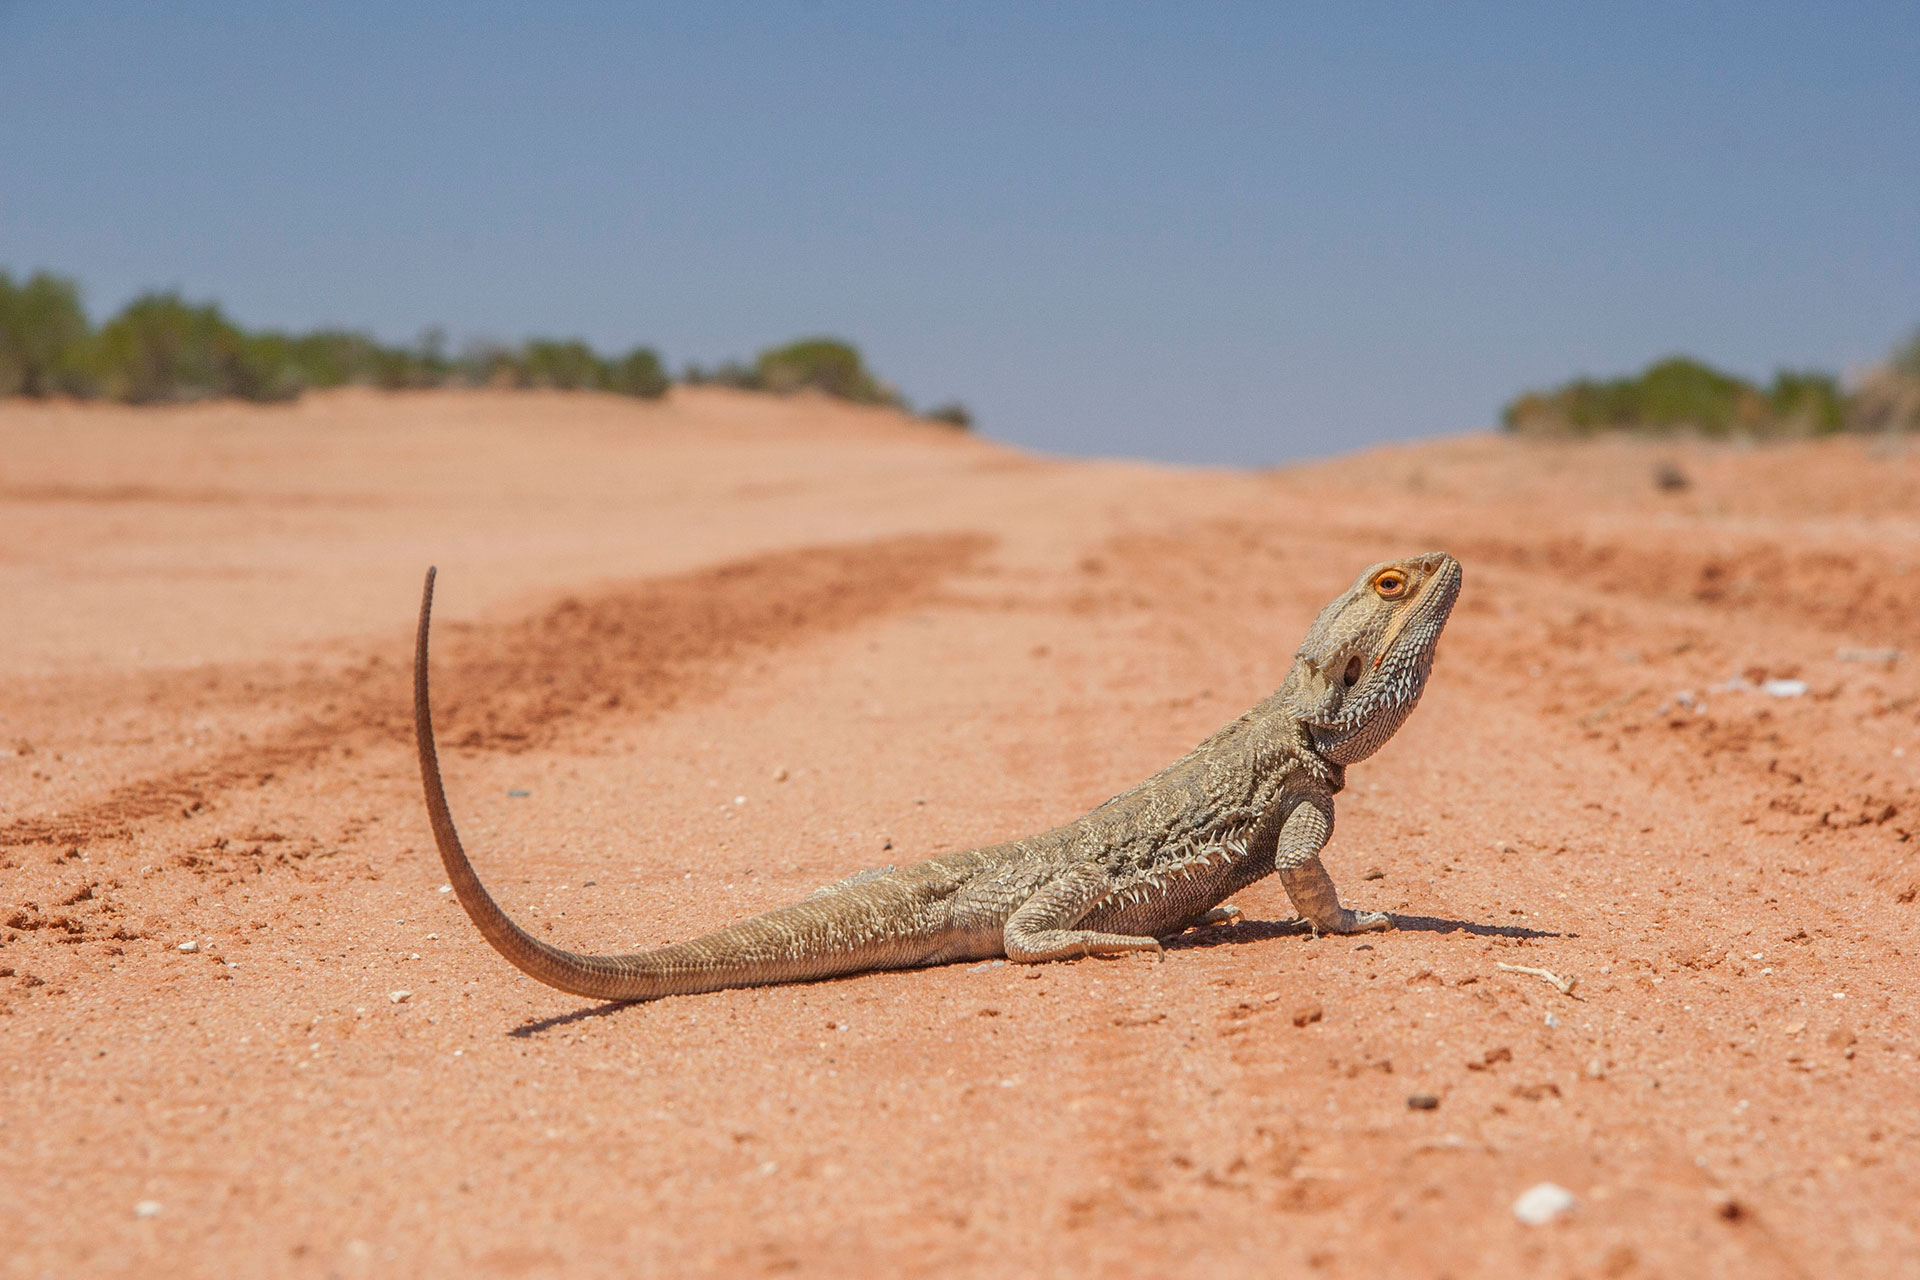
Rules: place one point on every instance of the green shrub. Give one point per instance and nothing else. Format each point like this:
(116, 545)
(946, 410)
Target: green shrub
(161, 348)
(953, 413)
(331, 357)
(1682, 394)
(564, 366)
(824, 364)
(46, 345)
(1810, 402)
(638, 373)
(1679, 392)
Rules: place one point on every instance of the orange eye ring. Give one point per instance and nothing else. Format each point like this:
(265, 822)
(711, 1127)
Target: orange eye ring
(1390, 584)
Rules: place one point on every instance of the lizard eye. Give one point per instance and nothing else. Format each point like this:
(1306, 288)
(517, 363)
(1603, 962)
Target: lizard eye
(1390, 584)
(1352, 675)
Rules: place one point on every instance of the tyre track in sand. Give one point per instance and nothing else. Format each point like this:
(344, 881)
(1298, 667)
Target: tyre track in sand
(635, 649)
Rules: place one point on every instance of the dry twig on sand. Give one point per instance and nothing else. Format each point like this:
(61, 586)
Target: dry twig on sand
(1563, 985)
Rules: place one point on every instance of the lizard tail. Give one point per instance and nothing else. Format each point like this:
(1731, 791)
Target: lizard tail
(818, 938)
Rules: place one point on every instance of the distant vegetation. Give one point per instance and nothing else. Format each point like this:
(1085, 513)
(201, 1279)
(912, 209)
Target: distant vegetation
(162, 349)
(1888, 398)
(820, 364)
(827, 365)
(1683, 395)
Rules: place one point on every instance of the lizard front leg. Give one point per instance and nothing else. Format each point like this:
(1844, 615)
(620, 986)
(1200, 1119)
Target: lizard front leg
(1040, 928)
(1297, 859)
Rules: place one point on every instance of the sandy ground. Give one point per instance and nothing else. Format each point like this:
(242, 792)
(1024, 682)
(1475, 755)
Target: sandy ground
(698, 658)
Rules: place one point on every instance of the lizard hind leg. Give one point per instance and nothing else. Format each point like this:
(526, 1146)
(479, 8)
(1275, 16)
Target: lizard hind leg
(1042, 945)
(1040, 928)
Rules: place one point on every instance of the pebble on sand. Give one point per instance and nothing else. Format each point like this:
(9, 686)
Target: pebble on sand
(399, 997)
(146, 1209)
(189, 948)
(1542, 1202)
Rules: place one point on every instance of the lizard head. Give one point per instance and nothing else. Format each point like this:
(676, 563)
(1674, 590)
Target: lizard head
(1366, 658)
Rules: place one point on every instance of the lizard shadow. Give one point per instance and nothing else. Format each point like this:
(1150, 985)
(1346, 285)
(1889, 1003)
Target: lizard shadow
(540, 1026)
(528, 1029)
(1440, 924)
(1267, 930)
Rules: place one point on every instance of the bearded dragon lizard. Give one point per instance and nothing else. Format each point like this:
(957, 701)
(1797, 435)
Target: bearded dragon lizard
(1254, 799)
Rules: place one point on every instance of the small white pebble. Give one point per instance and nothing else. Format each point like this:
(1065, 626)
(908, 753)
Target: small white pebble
(146, 1209)
(1551, 1020)
(780, 774)
(399, 997)
(739, 799)
(189, 948)
(1542, 1203)
(1785, 688)
(445, 888)
(433, 937)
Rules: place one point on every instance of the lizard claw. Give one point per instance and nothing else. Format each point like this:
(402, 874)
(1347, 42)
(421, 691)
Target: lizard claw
(1353, 922)
(1225, 913)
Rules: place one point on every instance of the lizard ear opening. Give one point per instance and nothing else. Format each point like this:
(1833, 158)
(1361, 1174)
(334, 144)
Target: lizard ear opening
(1352, 675)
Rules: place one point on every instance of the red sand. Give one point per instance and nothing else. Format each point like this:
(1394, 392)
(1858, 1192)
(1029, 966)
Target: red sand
(732, 647)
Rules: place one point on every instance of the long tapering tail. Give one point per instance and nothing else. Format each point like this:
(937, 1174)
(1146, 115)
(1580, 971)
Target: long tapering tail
(818, 938)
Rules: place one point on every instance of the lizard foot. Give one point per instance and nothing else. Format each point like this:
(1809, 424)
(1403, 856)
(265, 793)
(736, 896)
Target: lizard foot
(1070, 944)
(1352, 922)
(1225, 913)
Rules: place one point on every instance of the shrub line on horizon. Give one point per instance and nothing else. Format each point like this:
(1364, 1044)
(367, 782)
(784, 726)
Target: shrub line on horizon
(160, 348)
(1681, 394)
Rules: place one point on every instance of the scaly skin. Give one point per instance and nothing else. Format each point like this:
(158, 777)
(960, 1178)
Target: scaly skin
(1254, 799)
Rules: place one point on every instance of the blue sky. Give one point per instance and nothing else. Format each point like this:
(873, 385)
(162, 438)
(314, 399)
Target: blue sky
(1201, 233)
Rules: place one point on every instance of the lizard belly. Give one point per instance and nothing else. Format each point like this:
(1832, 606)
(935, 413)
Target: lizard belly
(1158, 911)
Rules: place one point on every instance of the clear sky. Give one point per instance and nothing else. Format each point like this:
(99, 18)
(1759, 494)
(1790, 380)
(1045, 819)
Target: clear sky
(1194, 232)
